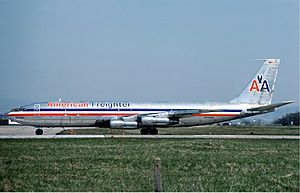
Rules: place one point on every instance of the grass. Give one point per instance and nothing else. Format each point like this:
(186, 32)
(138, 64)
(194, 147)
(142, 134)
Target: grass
(128, 165)
(207, 130)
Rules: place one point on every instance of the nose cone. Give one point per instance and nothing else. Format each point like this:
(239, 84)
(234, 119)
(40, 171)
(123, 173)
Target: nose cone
(7, 115)
(12, 115)
(12, 112)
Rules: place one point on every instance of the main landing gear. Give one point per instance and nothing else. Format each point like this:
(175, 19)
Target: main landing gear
(149, 131)
(39, 131)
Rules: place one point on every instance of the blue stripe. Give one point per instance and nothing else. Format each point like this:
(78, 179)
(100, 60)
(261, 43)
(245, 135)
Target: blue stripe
(84, 109)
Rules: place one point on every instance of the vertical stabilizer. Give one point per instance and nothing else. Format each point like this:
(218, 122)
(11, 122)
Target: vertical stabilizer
(260, 88)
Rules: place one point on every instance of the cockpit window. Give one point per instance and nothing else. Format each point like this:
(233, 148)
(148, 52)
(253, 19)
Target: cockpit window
(18, 109)
(15, 110)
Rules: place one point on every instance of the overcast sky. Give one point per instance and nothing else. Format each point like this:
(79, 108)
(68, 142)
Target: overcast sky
(138, 50)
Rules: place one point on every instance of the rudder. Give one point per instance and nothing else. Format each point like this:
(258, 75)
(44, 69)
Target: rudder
(260, 88)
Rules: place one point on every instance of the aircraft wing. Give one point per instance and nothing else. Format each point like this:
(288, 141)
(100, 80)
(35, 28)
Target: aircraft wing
(158, 119)
(270, 107)
(177, 113)
(188, 113)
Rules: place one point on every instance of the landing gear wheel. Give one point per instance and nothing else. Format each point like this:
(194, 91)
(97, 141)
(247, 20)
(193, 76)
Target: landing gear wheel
(149, 131)
(144, 131)
(39, 132)
(153, 131)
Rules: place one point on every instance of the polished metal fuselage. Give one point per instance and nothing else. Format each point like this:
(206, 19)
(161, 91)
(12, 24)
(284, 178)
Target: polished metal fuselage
(255, 99)
(87, 114)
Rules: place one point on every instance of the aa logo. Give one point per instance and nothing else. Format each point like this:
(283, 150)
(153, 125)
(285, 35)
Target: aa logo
(259, 84)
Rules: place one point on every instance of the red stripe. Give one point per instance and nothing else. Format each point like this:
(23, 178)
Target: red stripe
(108, 114)
(71, 114)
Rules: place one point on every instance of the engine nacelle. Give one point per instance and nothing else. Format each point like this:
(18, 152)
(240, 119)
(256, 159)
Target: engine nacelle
(119, 124)
(154, 121)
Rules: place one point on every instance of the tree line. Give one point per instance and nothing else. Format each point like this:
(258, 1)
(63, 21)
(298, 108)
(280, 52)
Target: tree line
(288, 119)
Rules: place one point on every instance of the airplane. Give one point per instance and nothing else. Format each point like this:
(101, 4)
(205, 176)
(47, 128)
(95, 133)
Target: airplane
(255, 99)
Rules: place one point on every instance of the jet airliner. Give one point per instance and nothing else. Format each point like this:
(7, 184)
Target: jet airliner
(255, 99)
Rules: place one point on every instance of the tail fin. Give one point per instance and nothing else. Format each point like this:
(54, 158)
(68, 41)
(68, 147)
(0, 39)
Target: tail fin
(260, 88)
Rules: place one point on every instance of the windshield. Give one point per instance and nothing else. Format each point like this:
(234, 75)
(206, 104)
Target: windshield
(15, 110)
(18, 109)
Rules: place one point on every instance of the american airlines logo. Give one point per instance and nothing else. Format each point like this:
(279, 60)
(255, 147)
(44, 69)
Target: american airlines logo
(68, 104)
(109, 105)
(259, 84)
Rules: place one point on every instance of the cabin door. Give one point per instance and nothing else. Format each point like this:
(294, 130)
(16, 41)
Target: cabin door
(37, 109)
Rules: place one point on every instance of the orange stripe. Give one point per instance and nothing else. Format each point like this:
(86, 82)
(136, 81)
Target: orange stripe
(215, 115)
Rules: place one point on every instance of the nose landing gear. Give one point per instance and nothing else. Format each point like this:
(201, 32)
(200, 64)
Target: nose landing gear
(149, 131)
(39, 131)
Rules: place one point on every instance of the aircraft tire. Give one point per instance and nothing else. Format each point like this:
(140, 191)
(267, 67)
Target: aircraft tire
(149, 131)
(153, 131)
(39, 132)
(144, 131)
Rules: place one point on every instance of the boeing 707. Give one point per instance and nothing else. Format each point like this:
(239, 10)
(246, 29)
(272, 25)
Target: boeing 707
(255, 99)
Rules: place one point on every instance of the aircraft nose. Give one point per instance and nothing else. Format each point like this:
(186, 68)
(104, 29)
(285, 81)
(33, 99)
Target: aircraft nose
(6, 115)
(9, 114)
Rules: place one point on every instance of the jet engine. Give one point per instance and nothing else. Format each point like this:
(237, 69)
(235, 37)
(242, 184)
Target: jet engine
(120, 124)
(154, 121)
(141, 122)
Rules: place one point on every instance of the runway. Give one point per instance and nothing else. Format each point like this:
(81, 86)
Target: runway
(151, 137)
(27, 132)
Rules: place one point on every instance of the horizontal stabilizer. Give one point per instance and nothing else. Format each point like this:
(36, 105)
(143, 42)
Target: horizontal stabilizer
(270, 107)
